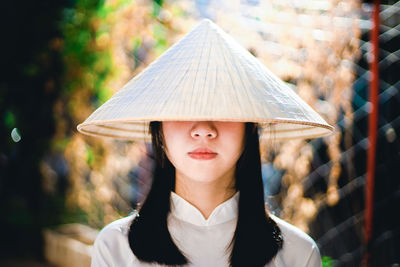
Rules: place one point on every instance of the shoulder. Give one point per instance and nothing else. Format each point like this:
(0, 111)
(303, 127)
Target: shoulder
(120, 226)
(299, 249)
(115, 232)
(292, 234)
(111, 245)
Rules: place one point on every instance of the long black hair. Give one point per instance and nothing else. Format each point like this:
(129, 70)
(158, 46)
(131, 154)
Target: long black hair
(257, 238)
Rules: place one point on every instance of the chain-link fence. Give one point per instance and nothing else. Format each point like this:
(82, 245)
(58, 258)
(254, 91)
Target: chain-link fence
(339, 229)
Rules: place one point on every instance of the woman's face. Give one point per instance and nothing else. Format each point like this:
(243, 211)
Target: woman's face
(204, 151)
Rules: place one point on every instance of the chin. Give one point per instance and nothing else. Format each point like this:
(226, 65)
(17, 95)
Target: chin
(204, 179)
(202, 176)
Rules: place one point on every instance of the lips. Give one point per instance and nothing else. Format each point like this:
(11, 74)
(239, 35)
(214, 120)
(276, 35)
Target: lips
(202, 154)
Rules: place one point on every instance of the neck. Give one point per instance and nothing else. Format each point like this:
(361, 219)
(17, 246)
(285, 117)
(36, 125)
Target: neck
(205, 196)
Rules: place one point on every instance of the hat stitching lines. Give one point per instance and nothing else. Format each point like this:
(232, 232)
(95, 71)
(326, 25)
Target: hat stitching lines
(239, 73)
(155, 76)
(249, 62)
(206, 81)
(172, 80)
(197, 92)
(211, 96)
(234, 92)
(246, 58)
(188, 82)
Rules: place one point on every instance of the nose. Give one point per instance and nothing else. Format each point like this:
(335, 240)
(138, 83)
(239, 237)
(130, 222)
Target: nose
(203, 130)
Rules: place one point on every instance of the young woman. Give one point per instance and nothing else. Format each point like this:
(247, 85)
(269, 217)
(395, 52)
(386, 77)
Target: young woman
(205, 207)
(206, 100)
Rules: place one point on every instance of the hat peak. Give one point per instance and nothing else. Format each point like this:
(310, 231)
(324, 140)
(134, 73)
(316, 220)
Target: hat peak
(206, 21)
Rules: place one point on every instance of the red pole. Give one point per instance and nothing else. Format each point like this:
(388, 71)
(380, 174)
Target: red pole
(372, 132)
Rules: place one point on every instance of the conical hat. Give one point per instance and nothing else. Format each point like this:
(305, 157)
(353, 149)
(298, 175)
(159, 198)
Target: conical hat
(206, 76)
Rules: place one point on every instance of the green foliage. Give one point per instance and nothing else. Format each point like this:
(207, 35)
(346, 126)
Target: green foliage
(59, 145)
(89, 155)
(81, 27)
(157, 5)
(160, 36)
(327, 261)
(137, 43)
(9, 119)
(178, 12)
(74, 215)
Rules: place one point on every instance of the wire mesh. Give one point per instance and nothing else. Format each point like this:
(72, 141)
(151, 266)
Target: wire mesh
(339, 229)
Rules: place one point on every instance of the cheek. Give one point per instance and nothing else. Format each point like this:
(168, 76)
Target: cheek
(234, 152)
(175, 148)
(233, 149)
(235, 142)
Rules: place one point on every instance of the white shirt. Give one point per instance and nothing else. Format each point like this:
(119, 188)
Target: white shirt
(201, 240)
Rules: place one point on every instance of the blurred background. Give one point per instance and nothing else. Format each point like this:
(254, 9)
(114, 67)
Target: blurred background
(63, 59)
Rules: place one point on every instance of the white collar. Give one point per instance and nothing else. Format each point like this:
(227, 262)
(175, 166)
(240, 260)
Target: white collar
(185, 211)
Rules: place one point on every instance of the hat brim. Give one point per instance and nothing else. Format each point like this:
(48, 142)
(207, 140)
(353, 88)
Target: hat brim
(270, 129)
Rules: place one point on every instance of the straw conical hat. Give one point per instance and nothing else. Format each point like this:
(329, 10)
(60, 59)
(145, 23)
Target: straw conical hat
(206, 76)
